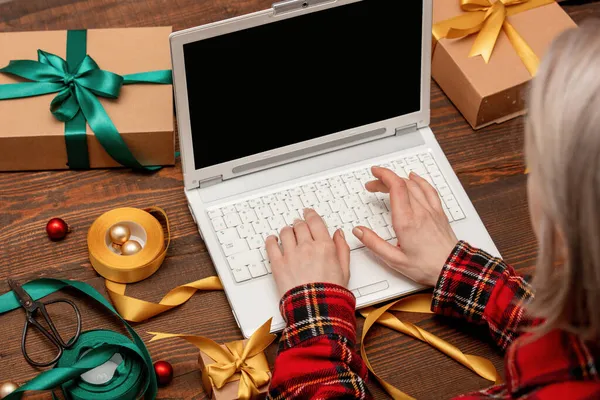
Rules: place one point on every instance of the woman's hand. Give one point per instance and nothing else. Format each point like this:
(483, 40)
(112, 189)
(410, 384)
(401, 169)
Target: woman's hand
(425, 238)
(308, 254)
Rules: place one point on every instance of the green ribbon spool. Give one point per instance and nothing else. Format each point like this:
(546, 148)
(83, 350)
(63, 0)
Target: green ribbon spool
(133, 378)
(78, 81)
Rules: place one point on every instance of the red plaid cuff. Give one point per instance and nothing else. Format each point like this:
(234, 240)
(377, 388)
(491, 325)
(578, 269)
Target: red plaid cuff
(466, 283)
(317, 309)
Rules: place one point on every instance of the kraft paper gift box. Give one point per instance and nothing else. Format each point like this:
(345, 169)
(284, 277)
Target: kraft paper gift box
(230, 390)
(496, 91)
(31, 138)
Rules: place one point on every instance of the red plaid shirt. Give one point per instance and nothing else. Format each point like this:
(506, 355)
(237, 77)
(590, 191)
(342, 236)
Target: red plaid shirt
(317, 357)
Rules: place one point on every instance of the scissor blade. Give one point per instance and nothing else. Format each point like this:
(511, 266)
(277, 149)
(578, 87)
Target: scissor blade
(24, 298)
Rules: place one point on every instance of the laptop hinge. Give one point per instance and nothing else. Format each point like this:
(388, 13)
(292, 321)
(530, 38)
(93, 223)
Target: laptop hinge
(406, 129)
(210, 181)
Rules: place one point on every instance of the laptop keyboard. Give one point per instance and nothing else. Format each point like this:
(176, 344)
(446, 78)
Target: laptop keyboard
(341, 200)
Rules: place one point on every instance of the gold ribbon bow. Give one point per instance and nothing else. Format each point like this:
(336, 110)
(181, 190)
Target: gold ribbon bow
(245, 363)
(487, 19)
(420, 303)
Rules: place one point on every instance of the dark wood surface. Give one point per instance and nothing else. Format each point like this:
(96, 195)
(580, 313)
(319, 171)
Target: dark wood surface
(489, 163)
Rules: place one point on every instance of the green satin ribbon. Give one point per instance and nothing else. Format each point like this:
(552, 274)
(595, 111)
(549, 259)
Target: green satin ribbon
(134, 377)
(78, 81)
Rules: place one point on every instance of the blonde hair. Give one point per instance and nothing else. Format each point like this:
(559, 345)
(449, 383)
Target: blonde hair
(562, 146)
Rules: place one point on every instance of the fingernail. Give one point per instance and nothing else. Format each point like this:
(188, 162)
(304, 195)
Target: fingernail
(296, 221)
(413, 173)
(305, 211)
(358, 232)
(341, 231)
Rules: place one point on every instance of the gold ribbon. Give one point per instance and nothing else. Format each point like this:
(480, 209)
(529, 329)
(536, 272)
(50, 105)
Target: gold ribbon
(487, 19)
(420, 303)
(118, 270)
(246, 363)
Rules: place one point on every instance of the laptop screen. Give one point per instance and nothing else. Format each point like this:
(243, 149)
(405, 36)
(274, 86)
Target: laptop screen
(302, 78)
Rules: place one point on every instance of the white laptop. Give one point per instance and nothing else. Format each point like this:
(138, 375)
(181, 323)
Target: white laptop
(289, 108)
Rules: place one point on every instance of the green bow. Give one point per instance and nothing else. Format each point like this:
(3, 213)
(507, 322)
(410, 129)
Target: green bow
(78, 81)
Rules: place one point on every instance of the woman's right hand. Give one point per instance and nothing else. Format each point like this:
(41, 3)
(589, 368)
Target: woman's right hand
(425, 238)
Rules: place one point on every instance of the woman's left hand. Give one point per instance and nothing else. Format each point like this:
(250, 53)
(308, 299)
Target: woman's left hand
(308, 254)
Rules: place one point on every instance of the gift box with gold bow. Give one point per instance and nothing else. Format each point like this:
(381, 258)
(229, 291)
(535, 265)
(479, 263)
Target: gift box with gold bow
(234, 370)
(485, 53)
(84, 99)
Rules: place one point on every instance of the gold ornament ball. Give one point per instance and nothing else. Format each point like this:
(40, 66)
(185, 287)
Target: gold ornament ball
(130, 247)
(7, 388)
(119, 234)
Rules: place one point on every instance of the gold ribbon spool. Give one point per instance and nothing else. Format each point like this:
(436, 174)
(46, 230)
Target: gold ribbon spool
(118, 270)
(132, 268)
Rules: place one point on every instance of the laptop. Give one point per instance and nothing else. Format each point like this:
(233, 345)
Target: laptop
(288, 108)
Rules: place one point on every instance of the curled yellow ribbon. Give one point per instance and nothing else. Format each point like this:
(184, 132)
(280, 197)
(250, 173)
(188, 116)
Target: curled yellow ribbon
(487, 19)
(136, 310)
(420, 303)
(246, 363)
(119, 270)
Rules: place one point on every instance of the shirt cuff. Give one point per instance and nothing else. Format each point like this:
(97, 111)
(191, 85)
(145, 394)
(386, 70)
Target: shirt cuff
(317, 309)
(466, 283)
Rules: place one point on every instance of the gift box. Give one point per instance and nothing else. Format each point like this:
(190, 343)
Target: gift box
(493, 91)
(257, 364)
(120, 116)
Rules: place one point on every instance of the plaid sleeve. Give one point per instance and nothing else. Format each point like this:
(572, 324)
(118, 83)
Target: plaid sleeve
(317, 356)
(482, 289)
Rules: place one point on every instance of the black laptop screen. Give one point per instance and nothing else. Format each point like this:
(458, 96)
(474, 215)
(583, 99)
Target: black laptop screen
(304, 77)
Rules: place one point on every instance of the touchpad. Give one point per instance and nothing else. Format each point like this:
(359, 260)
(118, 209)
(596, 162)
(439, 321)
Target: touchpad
(369, 275)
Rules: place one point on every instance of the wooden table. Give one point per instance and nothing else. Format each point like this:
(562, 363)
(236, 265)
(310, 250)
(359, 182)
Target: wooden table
(488, 162)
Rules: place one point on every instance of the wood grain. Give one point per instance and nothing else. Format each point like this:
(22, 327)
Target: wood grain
(489, 163)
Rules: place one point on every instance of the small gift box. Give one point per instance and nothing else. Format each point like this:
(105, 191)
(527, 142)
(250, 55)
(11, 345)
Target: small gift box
(251, 381)
(485, 52)
(86, 99)
(234, 370)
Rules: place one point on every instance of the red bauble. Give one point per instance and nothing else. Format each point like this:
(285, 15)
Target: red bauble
(164, 372)
(57, 229)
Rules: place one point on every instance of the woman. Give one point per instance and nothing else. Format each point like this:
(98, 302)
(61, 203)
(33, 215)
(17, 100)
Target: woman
(552, 339)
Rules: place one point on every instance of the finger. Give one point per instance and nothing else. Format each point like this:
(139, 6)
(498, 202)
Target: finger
(302, 231)
(343, 252)
(433, 199)
(288, 239)
(387, 176)
(316, 225)
(273, 250)
(388, 252)
(400, 201)
(418, 199)
(376, 186)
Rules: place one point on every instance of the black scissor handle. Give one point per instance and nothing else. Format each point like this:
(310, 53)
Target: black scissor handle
(61, 342)
(31, 321)
(54, 337)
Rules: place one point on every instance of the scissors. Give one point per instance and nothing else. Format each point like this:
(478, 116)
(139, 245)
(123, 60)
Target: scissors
(31, 310)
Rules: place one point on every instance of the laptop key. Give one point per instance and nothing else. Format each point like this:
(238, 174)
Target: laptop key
(219, 223)
(228, 210)
(255, 202)
(227, 235)
(248, 216)
(243, 231)
(261, 226)
(241, 274)
(242, 206)
(232, 220)
(257, 269)
(215, 213)
(235, 246)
